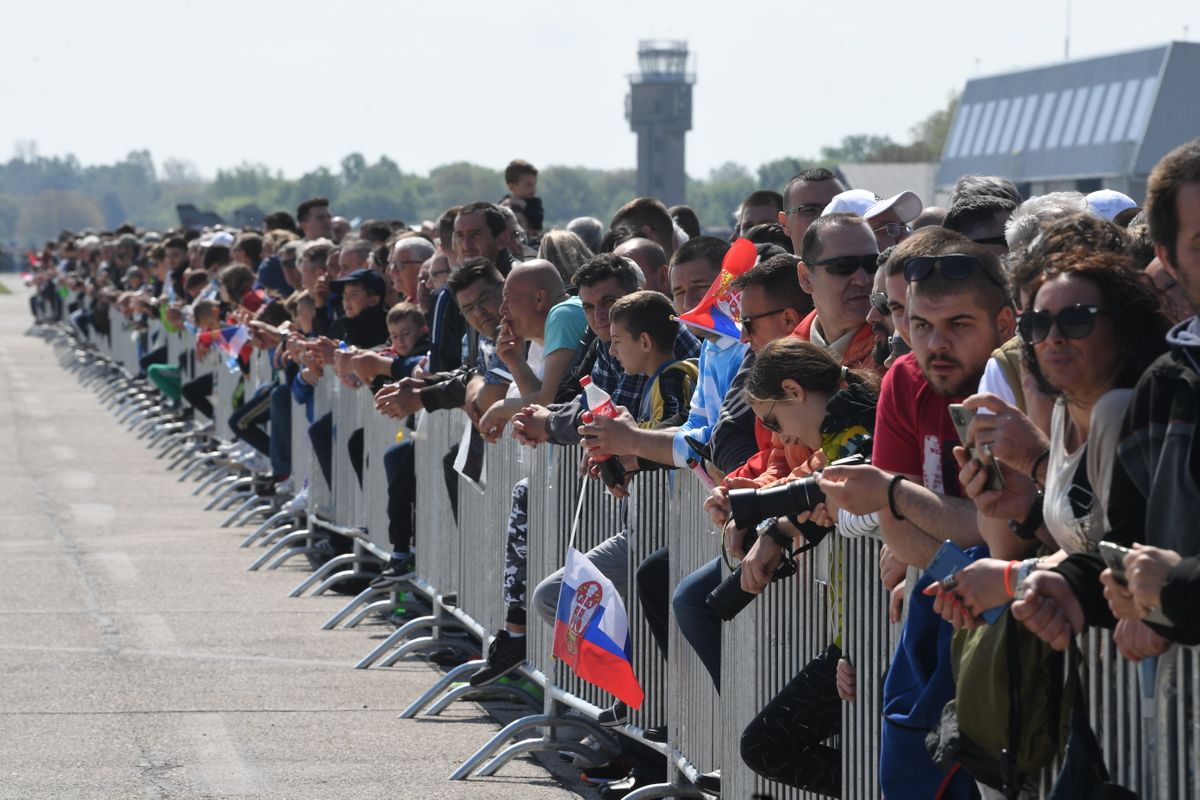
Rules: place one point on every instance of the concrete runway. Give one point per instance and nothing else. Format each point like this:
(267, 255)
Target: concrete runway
(139, 658)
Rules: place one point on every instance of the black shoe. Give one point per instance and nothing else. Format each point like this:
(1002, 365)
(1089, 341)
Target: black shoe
(449, 657)
(614, 715)
(616, 770)
(656, 734)
(505, 654)
(710, 782)
(398, 569)
(619, 789)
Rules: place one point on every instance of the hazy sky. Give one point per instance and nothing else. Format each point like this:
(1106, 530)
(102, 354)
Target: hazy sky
(298, 84)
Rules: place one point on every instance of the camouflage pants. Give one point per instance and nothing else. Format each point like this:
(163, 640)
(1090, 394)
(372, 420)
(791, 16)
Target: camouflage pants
(515, 554)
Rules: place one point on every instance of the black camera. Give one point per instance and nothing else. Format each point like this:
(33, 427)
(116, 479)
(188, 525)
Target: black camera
(749, 508)
(729, 598)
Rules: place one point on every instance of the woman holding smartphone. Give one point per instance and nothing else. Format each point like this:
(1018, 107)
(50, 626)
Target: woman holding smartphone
(1092, 326)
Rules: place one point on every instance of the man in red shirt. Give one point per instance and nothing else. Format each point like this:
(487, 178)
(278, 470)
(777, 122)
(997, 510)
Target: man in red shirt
(959, 312)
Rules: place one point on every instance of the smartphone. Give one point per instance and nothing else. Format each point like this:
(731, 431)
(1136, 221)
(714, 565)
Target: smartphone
(1114, 558)
(961, 416)
(949, 559)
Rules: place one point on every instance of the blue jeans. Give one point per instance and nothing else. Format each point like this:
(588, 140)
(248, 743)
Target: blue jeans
(697, 622)
(281, 430)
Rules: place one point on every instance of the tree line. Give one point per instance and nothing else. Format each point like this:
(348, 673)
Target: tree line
(41, 196)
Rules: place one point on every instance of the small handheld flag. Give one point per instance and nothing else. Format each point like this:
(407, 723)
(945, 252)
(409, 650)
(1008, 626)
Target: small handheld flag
(591, 631)
(721, 309)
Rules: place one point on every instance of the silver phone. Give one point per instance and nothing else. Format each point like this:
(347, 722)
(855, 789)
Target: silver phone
(961, 416)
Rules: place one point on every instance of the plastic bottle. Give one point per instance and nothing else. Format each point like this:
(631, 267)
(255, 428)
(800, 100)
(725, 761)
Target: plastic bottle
(600, 404)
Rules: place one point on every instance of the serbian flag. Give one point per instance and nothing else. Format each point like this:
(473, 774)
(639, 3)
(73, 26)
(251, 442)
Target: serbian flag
(591, 631)
(229, 340)
(721, 309)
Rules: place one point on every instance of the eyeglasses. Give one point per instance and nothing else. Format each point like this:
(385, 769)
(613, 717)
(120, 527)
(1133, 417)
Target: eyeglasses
(768, 419)
(1074, 322)
(894, 229)
(748, 322)
(807, 209)
(845, 266)
(879, 301)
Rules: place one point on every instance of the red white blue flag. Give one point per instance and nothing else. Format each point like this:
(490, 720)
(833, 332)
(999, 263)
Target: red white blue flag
(591, 632)
(720, 311)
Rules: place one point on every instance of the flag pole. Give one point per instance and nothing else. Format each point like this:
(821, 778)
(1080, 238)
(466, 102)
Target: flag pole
(578, 510)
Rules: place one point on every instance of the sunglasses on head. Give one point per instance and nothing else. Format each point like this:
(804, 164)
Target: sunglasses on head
(953, 267)
(1073, 322)
(845, 266)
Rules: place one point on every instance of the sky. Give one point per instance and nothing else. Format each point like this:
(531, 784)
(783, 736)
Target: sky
(299, 84)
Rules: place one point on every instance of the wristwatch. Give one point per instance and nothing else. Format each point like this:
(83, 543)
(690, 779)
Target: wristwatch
(768, 527)
(1028, 529)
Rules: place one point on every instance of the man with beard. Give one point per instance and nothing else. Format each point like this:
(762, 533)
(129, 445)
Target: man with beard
(959, 311)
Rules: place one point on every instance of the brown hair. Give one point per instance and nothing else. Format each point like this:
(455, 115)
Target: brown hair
(1180, 166)
(402, 311)
(647, 312)
(516, 168)
(810, 365)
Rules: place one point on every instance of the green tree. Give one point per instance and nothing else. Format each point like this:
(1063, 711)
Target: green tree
(51, 212)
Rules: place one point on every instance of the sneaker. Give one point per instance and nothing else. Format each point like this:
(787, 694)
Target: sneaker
(656, 734)
(710, 783)
(614, 715)
(449, 657)
(504, 655)
(399, 568)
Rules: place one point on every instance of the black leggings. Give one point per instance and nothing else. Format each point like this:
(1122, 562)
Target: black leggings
(784, 742)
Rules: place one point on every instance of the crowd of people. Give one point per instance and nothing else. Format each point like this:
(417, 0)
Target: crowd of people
(1004, 390)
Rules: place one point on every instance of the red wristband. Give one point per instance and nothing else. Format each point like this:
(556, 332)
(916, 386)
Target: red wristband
(1007, 574)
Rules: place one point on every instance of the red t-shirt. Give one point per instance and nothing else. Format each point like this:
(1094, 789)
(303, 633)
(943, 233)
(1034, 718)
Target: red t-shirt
(914, 434)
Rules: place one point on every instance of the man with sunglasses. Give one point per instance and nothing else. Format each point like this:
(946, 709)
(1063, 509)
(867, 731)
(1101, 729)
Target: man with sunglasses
(982, 219)
(891, 219)
(959, 311)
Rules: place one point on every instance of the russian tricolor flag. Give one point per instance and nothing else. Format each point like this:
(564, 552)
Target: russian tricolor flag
(591, 633)
(720, 311)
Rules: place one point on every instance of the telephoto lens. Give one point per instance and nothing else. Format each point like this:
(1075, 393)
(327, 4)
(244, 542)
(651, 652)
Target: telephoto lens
(729, 598)
(791, 499)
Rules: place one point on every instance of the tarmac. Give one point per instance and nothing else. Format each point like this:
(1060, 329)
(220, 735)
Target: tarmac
(139, 658)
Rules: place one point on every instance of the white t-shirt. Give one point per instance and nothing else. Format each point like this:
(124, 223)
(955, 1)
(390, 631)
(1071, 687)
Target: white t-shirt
(995, 381)
(535, 358)
(1079, 534)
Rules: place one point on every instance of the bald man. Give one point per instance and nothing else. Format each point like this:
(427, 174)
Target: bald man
(541, 330)
(650, 256)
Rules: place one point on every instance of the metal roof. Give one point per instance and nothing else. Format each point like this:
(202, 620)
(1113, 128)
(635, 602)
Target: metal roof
(1109, 116)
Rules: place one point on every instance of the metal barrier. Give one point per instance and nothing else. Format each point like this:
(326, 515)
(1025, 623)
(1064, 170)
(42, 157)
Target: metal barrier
(1151, 746)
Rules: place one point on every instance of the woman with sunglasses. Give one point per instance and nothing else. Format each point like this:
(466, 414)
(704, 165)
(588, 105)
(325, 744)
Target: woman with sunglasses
(1091, 327)
(799, 391)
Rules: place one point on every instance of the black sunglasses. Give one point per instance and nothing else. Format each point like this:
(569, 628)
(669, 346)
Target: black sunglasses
(845, 266)
(953, 267)
(1074, 322)
(879, 301)
(747, 323)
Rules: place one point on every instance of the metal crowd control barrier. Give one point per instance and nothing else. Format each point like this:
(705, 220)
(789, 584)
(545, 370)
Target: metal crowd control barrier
(1147, 716)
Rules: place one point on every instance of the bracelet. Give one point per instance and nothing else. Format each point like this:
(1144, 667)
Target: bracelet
(1037, 462)
(1028, 529)
(891, 495)
(1008, 574)
(1023, 572)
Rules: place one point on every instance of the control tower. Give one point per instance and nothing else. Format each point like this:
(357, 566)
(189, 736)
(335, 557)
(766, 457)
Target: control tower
(659, 110)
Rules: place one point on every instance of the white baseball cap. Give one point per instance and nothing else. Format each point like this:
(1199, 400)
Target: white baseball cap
(907, 205)
(851, 201)
(1107, 203)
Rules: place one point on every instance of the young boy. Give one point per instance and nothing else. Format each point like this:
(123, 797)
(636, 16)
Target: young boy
(521, 179)
(409, 337)
(643, 340)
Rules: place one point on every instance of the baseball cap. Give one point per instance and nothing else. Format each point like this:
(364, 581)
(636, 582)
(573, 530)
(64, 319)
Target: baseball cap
(907, 205)
(1107, 203)
(851, 201)
(371, 280)
(220, 239)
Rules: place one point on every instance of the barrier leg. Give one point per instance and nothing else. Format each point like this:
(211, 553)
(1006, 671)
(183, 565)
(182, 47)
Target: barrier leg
(270, 522)
(443, 682)
(322, 571)
(396, 636)
(459, 692)
(366, 611)
(359, 599)
(545, 743)
(287, 541)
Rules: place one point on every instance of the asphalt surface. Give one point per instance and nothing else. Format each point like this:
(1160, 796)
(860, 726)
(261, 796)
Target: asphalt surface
(139, 658)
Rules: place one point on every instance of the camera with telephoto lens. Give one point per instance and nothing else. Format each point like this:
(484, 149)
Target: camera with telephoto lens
(752, 510)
